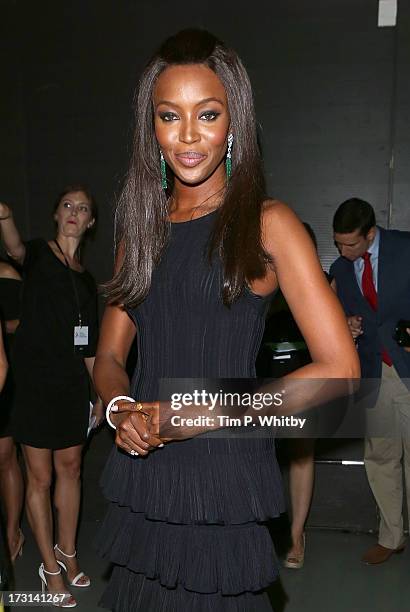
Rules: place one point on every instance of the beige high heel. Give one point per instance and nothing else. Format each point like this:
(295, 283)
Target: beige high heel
(75, 582)
(293, 561)
(65, 600)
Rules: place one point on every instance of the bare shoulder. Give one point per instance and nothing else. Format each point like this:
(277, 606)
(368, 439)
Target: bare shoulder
(276, 212)
(7, 271)
(273, 206)
(280, 223)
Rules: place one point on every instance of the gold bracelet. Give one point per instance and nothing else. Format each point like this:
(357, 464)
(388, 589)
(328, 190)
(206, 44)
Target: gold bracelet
(4, 218)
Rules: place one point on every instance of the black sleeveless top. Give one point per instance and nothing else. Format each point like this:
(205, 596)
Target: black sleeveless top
(183, 328)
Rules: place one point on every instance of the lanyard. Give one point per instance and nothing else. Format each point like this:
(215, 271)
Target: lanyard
(77, 299)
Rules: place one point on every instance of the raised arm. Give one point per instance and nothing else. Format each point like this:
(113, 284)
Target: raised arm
(10, 235)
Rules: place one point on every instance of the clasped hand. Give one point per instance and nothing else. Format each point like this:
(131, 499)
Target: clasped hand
(137, 429)
(142, 427)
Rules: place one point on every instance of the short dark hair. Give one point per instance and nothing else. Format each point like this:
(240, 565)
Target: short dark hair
(354, 214)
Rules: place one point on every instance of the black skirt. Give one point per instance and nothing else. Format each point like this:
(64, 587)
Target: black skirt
(188, 534)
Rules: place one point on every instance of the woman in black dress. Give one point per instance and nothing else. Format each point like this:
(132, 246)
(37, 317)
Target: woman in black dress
(53, 358)
(200, 251)
(11, 481)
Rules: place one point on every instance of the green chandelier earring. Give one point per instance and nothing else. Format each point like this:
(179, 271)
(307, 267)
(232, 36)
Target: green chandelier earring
(163, 171)
(228, 161)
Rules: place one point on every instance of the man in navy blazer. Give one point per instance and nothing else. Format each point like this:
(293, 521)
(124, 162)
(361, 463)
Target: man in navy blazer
(372, 281)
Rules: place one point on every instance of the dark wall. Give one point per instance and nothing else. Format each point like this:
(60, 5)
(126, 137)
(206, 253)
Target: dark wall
(13, 128)
(325, 91)
(401, 123)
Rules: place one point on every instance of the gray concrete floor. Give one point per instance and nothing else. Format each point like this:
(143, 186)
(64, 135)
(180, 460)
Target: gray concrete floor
(333, 579)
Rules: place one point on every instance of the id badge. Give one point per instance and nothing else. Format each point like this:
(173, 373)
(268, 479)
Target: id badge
(80, 338)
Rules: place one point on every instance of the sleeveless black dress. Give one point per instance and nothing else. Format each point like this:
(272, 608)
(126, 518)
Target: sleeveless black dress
(185, 527)
(10, 294)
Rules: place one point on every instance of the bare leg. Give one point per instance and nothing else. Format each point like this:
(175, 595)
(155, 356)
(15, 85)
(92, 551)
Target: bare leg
(12, 491)
(38, 504)
(67, 494)
(301, 478)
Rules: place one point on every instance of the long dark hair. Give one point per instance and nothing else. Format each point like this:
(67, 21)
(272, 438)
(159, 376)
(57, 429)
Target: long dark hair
(142, 224)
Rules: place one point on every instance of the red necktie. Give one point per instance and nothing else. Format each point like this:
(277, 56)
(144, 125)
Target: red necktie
(369, 292)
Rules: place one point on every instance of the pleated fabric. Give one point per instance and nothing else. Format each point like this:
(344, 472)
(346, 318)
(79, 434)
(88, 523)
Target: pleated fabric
(186, 525)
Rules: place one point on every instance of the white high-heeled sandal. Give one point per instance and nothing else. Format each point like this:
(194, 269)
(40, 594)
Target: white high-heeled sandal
(66, 597)
(75, 581)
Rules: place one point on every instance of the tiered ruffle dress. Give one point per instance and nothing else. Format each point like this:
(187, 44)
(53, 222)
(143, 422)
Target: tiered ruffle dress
(186, 526)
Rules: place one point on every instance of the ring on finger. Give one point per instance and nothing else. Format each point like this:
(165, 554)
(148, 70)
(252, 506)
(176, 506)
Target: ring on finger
(133, 452)
(140, 408)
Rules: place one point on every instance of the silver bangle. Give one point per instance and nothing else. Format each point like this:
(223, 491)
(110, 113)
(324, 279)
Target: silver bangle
(111, 404)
